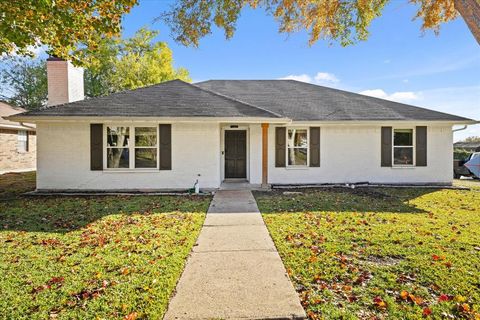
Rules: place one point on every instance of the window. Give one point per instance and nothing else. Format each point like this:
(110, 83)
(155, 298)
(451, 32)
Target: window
(125, 153)
(145, 147)
(118, 154)
(22, 141)
(297, 147)
(403, 147)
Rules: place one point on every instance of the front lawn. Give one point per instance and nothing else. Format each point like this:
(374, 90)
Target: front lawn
(380, 253)
(92, 257)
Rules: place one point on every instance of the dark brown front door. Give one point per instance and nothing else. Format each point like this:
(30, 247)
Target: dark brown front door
(235, 154)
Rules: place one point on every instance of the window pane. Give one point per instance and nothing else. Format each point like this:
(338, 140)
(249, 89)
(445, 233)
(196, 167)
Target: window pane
(145, 137)
(117, 158)
(22, 141)
(297, 156)
(297, 138)
(403, 137)
(145, 158)
(118, 136)
(403, 155)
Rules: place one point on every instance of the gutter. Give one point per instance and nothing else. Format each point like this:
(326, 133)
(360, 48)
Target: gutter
(18, 127)
(133, 119)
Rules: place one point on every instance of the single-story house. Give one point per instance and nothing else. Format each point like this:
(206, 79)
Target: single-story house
(169, 135)
(17, 142)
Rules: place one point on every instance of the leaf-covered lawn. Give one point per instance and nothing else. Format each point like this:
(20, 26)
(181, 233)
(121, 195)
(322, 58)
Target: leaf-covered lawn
(93, 257)
(380, 253)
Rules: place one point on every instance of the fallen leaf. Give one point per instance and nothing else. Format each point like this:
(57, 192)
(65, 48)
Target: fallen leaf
(443, 297)
(464, 307)
(56, 280)
(131, 316)
(347, 288)
(379, 303)
(437, 257)
(426, 312)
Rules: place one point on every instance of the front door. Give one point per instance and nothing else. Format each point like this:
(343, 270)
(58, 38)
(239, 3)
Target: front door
(235, 154)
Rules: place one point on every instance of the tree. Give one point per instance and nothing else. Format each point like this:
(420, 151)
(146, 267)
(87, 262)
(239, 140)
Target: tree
(118, 64)
(472, 139)
(65, 26)
(124, 64)
(345, 21)
(24, 83)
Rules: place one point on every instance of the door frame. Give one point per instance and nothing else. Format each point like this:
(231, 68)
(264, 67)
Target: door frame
(224, 128)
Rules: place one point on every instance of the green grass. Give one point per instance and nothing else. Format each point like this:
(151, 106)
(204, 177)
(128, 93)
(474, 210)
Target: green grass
(13, 184)
(380, 253)
(92, 257)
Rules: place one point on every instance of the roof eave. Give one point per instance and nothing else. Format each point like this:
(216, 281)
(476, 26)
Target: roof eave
(36, 119)
(386, 121)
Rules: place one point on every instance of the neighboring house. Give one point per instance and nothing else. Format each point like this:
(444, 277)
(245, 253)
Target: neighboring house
(17, 142)
(467, 146)
(167, 136)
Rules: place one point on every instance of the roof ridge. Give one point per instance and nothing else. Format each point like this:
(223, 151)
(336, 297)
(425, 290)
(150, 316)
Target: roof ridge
(236, 100)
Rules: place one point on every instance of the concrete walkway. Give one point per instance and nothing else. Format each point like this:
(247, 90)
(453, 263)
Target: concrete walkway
(234, 271)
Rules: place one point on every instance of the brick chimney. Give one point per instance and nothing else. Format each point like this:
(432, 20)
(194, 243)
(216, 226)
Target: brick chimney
(65, 82)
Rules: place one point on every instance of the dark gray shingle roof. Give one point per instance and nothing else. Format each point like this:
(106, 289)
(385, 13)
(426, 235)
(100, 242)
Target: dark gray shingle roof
(168, 99)
(245, 98)
(301, 101)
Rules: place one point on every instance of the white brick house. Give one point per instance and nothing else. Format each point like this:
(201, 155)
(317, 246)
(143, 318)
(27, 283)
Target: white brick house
(169, 135)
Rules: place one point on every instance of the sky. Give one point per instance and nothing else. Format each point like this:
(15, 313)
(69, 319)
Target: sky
(397, 62)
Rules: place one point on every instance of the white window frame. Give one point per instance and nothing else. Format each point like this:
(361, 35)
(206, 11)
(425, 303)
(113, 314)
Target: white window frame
(131, 147)
(22, 141)
(413, 146)
(301, 166)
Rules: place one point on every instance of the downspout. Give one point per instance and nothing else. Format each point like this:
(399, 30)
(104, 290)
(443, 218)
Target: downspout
(24, 125)
(460, 129)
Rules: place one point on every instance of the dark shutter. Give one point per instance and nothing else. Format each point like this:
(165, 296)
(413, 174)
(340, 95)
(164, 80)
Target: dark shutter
(386, 152)
(96, 146)
(280, 146)
(315, 147)
(421, 146)
(165, 146)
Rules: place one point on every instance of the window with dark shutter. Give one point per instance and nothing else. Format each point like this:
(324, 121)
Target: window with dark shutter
(314, 146)
(386, 151)
(165, 131)
(96, 146)
(421, 146)
(280, 146)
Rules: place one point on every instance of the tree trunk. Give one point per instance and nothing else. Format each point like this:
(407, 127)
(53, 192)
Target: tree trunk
(470, 11)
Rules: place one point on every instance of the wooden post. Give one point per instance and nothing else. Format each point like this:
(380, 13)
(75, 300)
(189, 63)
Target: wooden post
(264, 155)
